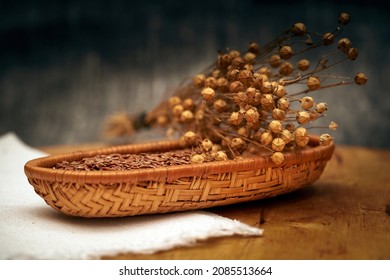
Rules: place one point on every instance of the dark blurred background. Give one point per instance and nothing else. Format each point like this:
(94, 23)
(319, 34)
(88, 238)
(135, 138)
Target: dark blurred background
(67, 65)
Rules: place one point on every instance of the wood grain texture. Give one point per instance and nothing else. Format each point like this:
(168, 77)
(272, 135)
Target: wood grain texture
(344, 215)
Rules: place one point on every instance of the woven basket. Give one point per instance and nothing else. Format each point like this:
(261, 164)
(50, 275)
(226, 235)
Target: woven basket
(174, 188)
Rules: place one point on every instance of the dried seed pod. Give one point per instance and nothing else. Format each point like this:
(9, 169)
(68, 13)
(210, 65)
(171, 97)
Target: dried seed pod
(257, 81)
(279, 91)
(173, 101)
(286, 135)
(199, 114)
(248, 66)
(265, 71)
(344, 18)
(162, 120)
(302, 142)
(303, 64)
(262, 77)
(301, 137)
(186, 116)
(216, 148)
(307, 102)
(278, 144)
(234, 53)
(286, 52)
(224, 61)
(223, 84)
(220, 105)
(206, 145)
(232, 75)
(352, 53)
(236, 86)
(243, 131)
(361, 79)
(198, 80)
(321, 107)
(249, 57)
(266, 87)
(216, 73)
(299, 28)
(333, 125)
(283, 104)
(300, 132)
(278, 114)
(286, 68)
(253, 125)
(344, 44)
(188, 103)
(252, 115)
(257, 99)
(274, 85)
(277, 157)
(309, 42)
(238, 62)
(211, 82)
(266, 138)
(253, 48)
(325, 139)
(220, 155)
(275, 60)
(245, 77)
(313, 83)
(250, 93)
(267, 102)
(240, 98)
(237, 144)
(275, 126)
(208, 94)
(189, 138)
(303, 117)
(197, 158)
(327, 38)
(177, 110)
(235, 118)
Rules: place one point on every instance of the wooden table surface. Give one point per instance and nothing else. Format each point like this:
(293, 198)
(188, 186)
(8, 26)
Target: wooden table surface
(344, 215)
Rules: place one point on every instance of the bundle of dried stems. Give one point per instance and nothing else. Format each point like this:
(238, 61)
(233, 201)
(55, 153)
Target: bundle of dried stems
(260, 99)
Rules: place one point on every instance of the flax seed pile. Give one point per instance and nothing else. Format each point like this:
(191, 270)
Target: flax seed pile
(117, 162)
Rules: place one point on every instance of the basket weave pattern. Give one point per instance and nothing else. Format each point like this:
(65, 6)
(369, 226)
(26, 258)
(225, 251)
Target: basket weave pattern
(167, 189)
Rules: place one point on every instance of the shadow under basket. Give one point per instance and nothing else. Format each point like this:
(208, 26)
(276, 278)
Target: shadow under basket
(174, 188)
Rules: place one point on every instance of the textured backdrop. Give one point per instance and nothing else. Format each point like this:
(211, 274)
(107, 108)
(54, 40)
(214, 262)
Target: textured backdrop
(67, 65)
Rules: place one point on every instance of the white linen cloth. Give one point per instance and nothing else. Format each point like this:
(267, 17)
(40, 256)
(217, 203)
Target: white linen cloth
(30, 229)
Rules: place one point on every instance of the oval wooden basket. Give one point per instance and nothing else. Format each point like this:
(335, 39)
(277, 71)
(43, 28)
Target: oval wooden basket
(173, 188)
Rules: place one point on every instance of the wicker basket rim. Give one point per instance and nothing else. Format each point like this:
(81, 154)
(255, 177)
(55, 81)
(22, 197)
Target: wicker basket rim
(41, 168)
